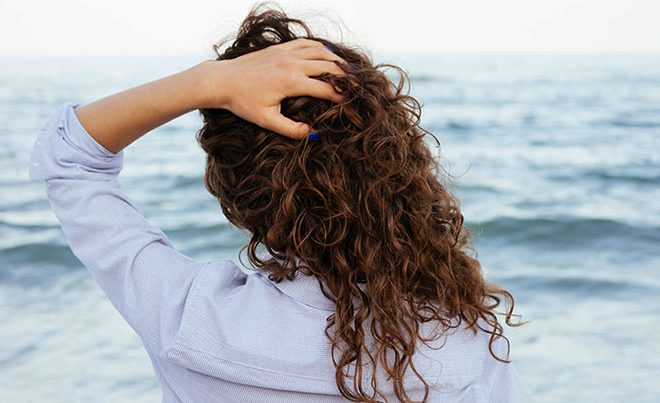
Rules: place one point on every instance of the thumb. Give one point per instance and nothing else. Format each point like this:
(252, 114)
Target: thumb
(286, 127)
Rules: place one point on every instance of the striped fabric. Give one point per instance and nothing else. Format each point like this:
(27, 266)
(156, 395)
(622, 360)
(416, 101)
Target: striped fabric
(213, 332)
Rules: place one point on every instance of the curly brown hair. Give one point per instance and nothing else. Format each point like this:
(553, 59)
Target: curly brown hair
(362, 205)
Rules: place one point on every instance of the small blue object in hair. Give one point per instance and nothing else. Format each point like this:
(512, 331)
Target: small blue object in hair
(328, 47)
(314, 136)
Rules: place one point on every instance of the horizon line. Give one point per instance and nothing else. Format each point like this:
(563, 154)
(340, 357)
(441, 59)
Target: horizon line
(373, 52)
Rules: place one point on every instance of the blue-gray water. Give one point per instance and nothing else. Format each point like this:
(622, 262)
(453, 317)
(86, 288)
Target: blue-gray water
(558, 158)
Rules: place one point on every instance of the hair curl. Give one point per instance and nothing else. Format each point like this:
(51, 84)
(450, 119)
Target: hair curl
(361, 205)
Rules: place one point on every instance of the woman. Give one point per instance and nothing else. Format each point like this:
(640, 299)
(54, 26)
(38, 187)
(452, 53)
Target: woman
(361, 287)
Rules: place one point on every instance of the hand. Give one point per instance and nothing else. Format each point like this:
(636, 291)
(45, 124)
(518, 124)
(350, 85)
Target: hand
(253, 86)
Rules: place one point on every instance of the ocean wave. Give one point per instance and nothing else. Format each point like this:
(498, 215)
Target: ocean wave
(578, 285)
(476, 188)
(563, 231)
(182, 182)
(650, 179)
(10, 226)
(427, 78)
(457, 126)
(630, 123)
(39, 253)
(636, 172)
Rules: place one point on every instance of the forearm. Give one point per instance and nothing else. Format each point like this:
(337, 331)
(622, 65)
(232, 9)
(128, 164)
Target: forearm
(251, 86)
(118, 120)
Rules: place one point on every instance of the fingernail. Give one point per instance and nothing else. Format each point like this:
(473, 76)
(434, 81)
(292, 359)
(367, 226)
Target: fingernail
(313, 136)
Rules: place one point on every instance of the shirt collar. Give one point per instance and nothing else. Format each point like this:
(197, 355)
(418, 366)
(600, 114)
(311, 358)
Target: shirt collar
(307, 290)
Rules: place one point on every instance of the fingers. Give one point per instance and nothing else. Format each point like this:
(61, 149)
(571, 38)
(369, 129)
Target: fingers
(299, 43)
(311, 50)
(317, 53)
(315, 88)
(317, 67)
(285, 126)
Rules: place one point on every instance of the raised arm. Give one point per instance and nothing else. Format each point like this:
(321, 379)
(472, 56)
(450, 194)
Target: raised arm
(251, 86)
(79, 155)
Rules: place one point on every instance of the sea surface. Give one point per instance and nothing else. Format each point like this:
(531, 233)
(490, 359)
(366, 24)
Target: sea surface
(556, 159)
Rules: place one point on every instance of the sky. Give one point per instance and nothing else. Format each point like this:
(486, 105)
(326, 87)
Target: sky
(162, 27)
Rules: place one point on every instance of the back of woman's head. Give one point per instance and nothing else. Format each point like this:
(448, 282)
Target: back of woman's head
(362, 204)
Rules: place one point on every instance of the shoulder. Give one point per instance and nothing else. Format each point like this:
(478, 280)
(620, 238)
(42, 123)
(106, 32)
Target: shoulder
(221, 276)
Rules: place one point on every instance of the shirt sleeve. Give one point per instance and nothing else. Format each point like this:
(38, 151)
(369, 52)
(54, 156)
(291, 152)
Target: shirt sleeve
(133, 261)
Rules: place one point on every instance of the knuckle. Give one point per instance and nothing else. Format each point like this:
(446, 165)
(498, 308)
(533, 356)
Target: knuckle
(283, 63)
(320, 52)
(291, 78)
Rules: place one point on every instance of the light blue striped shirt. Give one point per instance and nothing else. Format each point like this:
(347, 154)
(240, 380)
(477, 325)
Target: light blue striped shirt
(213, 332)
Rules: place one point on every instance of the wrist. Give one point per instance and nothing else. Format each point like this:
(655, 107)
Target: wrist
(211, 84)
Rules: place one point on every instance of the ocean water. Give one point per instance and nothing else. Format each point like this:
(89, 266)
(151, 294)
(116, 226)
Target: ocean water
(557, 166)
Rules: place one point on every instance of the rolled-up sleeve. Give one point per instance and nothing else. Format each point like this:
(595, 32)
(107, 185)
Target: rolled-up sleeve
(134, 262)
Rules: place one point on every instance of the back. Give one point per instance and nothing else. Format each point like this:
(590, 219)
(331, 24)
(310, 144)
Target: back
(245, 338)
